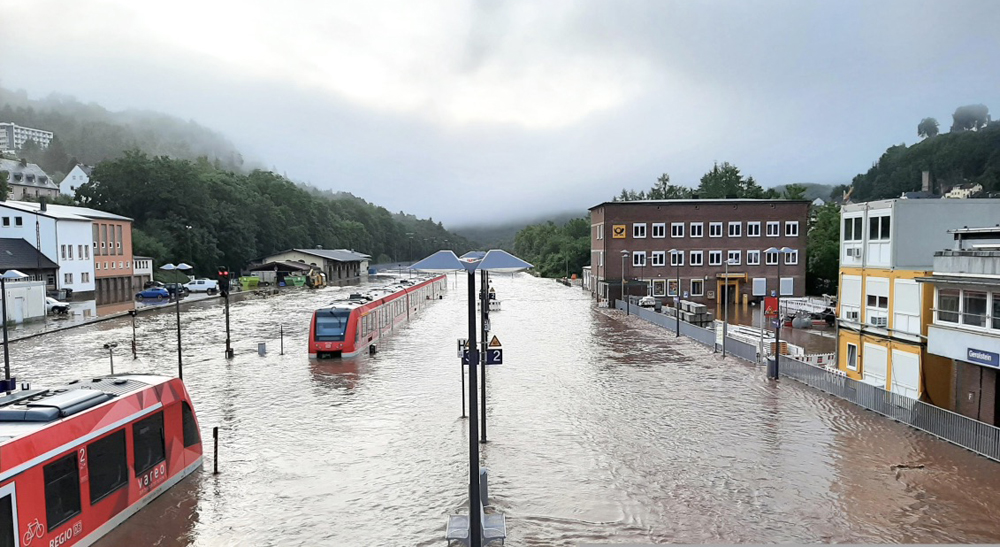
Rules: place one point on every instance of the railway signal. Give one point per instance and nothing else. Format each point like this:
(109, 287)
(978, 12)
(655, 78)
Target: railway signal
(224, 289)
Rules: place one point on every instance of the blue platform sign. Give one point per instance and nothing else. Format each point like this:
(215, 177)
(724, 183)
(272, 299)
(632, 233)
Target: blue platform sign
(988, 358)
(494, 356)
(465, 357)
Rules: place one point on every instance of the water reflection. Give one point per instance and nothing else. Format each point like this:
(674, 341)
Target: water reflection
(340, 374)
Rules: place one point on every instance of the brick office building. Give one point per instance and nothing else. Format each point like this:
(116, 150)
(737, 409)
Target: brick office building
(691, 239)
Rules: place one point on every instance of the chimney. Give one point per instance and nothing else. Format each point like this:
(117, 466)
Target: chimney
(925, 181)
(42, 203)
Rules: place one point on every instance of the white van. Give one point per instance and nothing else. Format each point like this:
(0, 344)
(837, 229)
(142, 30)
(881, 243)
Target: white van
(209, 286)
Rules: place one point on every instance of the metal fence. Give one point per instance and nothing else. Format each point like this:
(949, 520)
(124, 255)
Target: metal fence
(979, 437)
(742, 350)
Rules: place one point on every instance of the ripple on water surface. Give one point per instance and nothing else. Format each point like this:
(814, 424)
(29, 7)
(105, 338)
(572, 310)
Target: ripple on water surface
(602, 428)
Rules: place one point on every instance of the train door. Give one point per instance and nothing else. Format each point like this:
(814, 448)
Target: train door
(9, 536)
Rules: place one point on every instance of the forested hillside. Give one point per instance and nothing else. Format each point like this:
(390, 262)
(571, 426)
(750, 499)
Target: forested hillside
(89, 134)
(969, 153)
(196, 212)
(194, 199)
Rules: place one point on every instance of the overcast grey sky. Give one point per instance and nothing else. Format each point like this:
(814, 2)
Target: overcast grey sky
(490, 111)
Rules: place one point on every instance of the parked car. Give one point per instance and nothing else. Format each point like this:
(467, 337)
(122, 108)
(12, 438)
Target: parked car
(209, 286)
(157, 293)
(176, 288)
(150, 284)
(647, 302)
(53, 306)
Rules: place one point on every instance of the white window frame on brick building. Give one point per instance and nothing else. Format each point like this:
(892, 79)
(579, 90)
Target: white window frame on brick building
(714, 229)
(659, 230)
(639, 230)
(773, 228)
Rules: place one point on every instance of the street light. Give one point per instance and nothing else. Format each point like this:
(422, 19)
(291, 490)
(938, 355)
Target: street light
(110, 346)
(177, 300)
(624, 256)
(777, 328)
(675, 257)
(9, 275)
(498, 261)
(725, 321)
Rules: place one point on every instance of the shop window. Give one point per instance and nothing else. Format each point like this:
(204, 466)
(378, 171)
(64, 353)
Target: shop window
(947, 307)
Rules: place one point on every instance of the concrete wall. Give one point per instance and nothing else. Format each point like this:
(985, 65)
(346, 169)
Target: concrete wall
(921, 226)
(968, 262)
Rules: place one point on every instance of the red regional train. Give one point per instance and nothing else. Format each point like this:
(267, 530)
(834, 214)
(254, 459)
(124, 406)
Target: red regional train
(77, 460)
(351, 326)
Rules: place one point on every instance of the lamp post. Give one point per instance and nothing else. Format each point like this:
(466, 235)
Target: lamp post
(177, 301)
(675, 257)
(773, 374)
(9, 275)
(494, 260)
(725, 321)
(110, 346)
(409, 251)
(624, 256)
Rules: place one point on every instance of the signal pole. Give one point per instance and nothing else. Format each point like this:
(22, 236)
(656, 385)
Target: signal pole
(224, 287)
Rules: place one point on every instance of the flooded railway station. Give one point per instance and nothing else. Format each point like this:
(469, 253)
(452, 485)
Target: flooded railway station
(602, 428)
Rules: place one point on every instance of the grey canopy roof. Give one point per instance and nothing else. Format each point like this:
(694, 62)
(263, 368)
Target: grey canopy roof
(20, 255)
(495, 260)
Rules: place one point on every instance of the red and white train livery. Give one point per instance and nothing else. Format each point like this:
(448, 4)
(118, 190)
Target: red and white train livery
(348, 327)
(77, 460)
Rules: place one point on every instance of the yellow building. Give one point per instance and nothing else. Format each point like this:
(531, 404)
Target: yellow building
(882, 310)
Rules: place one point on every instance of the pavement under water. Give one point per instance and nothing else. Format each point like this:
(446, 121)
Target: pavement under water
(602, 428)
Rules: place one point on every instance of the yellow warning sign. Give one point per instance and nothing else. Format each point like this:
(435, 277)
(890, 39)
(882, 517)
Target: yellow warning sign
(495, 342)
(618, 231)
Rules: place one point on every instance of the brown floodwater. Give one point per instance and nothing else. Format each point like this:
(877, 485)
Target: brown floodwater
(602, 429)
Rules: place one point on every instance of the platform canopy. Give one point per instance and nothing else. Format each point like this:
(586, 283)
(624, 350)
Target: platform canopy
(494, 260)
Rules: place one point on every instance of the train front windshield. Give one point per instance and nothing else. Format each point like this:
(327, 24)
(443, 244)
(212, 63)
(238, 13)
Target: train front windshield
(331, 325)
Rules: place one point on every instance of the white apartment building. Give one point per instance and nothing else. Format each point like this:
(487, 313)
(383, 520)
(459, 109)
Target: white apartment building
(13, 136)
(63, 237)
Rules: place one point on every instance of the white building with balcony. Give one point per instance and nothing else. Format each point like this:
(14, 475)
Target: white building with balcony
(966, 319)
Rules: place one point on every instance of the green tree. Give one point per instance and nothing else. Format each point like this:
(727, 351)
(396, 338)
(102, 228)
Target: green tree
(928, 127)
(664, 190)
(972, 117)
(795, 191)
(823, 254)
(725, 181)
(555, 251)
(4, 187)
